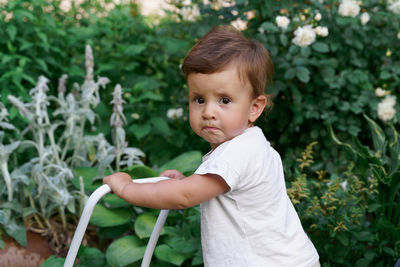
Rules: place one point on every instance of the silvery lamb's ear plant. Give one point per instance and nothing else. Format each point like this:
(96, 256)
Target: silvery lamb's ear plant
(6, 150)
(47, 174)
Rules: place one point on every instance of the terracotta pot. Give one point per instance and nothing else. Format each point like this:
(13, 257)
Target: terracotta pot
(34, 254)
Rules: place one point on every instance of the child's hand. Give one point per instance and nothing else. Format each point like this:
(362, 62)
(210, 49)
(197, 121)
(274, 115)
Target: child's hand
(174, 174)
(117, 182)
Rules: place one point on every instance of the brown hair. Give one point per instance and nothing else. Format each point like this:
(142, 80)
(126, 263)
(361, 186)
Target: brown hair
(224, 45)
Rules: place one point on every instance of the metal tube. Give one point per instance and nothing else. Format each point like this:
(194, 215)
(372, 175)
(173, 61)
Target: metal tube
(83, 222)
(87, 213)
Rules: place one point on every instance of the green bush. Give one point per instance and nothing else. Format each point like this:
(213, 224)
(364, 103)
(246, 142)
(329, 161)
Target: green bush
(333, 79)
(350, 70)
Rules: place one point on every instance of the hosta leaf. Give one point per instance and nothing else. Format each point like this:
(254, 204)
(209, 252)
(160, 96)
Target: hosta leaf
(378, 136)
(124, 251)
(144, 225)
(140, 171)
(105, 217)
(52, 261)
(89, 257)
(185, 163)
(165, 253)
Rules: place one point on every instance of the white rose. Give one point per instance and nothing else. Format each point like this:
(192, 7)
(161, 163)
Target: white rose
(344, 185)
(304, 36)
(239, 24)
(135, 116)
(321, 31)
(349, 8)
(380, 92)
(386, 109)
(395, 7)
(174, 113)
(318, 17)
(190, 13)
(282, 22)
(365, 18)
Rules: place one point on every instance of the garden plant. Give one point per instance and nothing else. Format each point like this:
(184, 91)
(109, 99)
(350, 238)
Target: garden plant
(65, 121)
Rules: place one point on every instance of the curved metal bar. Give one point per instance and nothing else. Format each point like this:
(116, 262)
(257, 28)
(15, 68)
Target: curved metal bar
(154, 238)
(83, 223)
(87, 213)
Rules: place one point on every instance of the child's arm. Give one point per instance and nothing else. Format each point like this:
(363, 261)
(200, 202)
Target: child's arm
(167, 194)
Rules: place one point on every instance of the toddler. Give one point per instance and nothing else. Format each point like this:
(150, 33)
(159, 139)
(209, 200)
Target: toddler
(247, 218)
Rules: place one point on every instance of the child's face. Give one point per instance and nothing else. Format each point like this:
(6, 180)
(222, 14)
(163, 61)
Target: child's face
(221, 105)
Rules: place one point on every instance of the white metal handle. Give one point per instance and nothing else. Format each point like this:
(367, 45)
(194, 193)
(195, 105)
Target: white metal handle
(87, 213)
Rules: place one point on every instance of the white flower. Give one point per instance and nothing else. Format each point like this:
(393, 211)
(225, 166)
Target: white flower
(380, 92)
(318, 16)
(282, 22)
(386, 109)
(395, 7)
(239, 24)
(174, 113)
(65, 5)
(344, 185)
(321, 31)
(304, 36)
(349, 8)
(190, 13)
(365, 18)
(135, 116)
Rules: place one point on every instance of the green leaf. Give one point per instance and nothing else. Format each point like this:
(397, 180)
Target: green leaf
(343, 239)
(320, 47)
(115, 202)
(364, 236)
(16, 230)
(303, 74)
(378, 136)
(87, 174)
(140, 171)
(165, 253)
(105, 217)
(185, 163)
(284, 40)
(149, 95)
(305, 51)
(124, 251)
(289, 73)
(42, 64)
(134, 49)
(269, 27)
(384, 75)
(144, 225)
(140, 130)
(12, 31)
(52, 261)
(89, 257)
(161, 125)
(374, 207)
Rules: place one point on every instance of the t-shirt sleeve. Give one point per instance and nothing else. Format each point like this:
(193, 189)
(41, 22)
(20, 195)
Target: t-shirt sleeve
(222, 168)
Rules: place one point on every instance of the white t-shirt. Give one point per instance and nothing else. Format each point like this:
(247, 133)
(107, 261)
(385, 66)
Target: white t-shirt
(253, 224)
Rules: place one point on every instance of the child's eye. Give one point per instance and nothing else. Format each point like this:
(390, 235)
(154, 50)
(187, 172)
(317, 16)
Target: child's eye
(199, 100)
(225, 100)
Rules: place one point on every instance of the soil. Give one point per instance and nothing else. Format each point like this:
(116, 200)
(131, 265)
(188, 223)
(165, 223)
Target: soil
(42, 243)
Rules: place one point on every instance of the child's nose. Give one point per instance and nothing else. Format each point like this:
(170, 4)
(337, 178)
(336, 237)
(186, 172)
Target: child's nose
(209, 111)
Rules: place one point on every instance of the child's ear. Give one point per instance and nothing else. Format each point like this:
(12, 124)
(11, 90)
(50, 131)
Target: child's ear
(257, 107)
